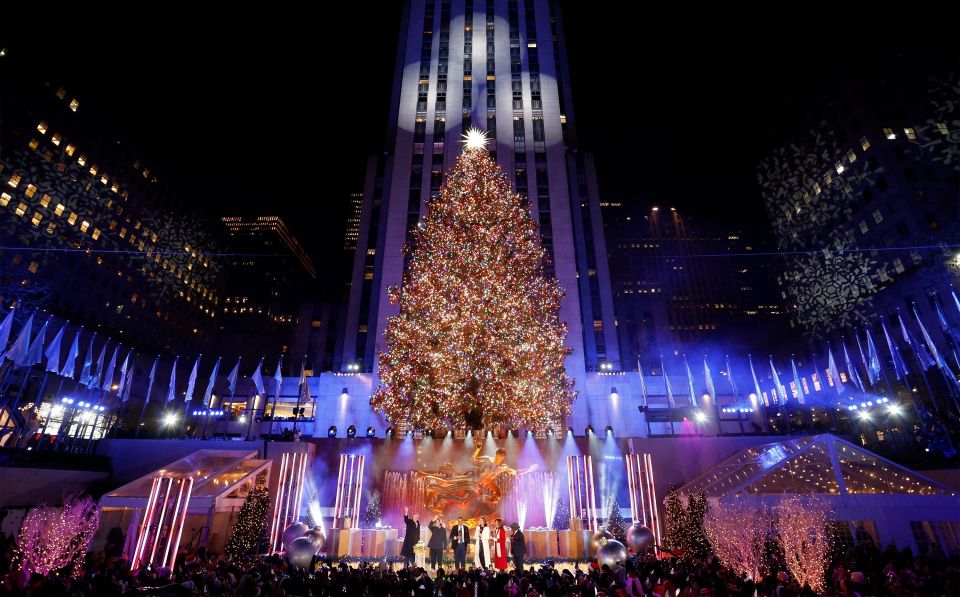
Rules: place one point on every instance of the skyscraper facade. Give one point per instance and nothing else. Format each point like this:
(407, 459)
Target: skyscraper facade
(500, 66)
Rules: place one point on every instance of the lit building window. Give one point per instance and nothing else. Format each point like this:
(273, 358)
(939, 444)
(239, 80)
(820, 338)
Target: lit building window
(942, 128)
(123, 233)
(51, 228)
(368, 276)
(42, 127)
(864, 143)
(96, 233)
(82, 160)
(72, 219)
(910, 133)
(839, 167)
(33, 267)
(5, 199)
(93, 169)
(851, 156)
(70, 149)
(31, 190)
(84, 225)
(104, 179)
(889, 134)
(61, 93)
(21, 209)
(898, 265)
(45, 200)
(33, 144)
(56, 139)
(598, 325)
(877, 216)
(816, 188)
(563, 119)
(14, 180)
(37, 218)
(114, 187)
(863, 227)
(74, 104)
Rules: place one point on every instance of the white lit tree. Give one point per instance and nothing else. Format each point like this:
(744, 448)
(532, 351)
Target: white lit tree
(738, 533)
(54, 539)
(802, 534)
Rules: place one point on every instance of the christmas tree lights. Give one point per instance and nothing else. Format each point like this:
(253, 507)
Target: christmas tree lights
(803, 536)
(738, 533)
(478, 341)
(250, 531)
(52, 539)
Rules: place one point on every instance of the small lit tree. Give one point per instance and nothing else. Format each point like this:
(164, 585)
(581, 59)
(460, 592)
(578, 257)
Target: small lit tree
(616, 525)
(803, 536)
(53, 539)
(738, 533)
(698, 544)
(676, 520)
(561, 519)
(248, 534)
(372, 513)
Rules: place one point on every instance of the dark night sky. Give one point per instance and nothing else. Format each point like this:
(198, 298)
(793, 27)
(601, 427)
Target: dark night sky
(265, 111)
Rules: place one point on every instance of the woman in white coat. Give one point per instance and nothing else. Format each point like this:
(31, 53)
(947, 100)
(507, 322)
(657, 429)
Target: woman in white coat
(481, 548)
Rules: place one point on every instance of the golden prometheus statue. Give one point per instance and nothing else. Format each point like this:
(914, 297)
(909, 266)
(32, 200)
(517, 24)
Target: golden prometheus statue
(471, 493)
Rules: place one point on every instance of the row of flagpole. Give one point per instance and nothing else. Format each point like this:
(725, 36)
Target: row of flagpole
(926, 353)
(97, 378)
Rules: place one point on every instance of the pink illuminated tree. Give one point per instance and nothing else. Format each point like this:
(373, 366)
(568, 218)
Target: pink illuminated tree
(738, 532)
(53, 538)
(802, 532)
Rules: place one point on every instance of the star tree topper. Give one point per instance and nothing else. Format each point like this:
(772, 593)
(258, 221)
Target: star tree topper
(474, 138)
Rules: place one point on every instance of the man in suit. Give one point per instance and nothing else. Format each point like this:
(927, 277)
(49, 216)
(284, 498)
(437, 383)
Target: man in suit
(459, 538)
(517, 547)
(411, 537)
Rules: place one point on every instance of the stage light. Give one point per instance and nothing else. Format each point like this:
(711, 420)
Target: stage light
(588, 430)
(609, 430)
(550, 431)
(569, 430)
(371, 432)
(351, 431)
(515, 433)
(344, 393)
(243, 418)
(864, 416)
(613, 392)
(389, 431)
(893, 409)
(332, 431)
(170, 419)
(67, 400)
(700, 416)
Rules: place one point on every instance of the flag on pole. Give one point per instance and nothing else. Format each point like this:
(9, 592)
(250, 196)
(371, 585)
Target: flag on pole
(924, 358)
(232, 378)
(278, 379)
(211, 383)
(108, 377)
(94, 382)
(5, 328)
(899, 367)
(693, 395)
(257, 379)
(929, 341)
(85, 374)
(834, 372)
(192, 380)
(711, 390)
(956, 301)
(643, 384)
(945, 325)
(35, 353)
(733, 383)
(778, 389)
(303, 373)
(153, 372)
(20, 349)
(70, 365)
(873, 369)
(128, 383)
(851, 368)
(53, 351)
(756, 384)
(796, 381)
(123, 374)
(666, 383)
(172, 388)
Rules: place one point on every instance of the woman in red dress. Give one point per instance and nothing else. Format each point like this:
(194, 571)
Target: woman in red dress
(500, 546)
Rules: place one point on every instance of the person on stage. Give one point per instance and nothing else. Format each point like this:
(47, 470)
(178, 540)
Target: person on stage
(459, 538)
(438, 541)
(481, 555)
(517, 547)
(411, 537)
(500, 546)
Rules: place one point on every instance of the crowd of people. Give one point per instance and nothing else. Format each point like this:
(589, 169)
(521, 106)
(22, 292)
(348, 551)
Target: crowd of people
(860, 572)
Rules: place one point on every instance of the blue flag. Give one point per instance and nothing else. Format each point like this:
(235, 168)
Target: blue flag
(733, 383)
(278, 378)
(756, 384)
(192, 380)
(85, 374)
(666, 383)
(873, 368)
(929, 341)
(693, 394)
(257, 379)
(70, 365)
(20, 349)
(899, 367)
(851, 368)
(778, 389)
(924, 358)
(643, 384)
(5, 328)
(107, 384)
(35, 352)
(797, 381)
(232, 378)
(210, 385)
(172, 388)
(123, 374)
(128, 383)
(834, 372)
(711, 390)
(53, 351)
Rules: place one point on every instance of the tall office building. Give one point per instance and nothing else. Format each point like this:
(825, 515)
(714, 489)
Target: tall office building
(498, 65)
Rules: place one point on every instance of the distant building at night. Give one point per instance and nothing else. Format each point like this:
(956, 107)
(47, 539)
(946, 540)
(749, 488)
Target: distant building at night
(500, 67)
(112, 239)
(353, 223)
(269, 278)
(864, 192)
(690, 288)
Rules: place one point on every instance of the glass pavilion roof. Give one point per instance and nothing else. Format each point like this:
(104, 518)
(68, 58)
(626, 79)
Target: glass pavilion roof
(817, 464)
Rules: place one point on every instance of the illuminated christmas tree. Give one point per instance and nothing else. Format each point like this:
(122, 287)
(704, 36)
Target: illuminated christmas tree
(52, 539)
(250, 530)
(616, 525)
(478, 341)
(372, 514)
